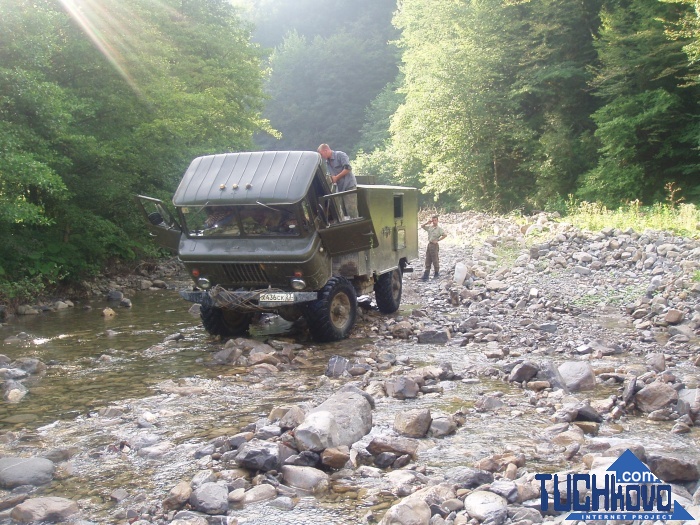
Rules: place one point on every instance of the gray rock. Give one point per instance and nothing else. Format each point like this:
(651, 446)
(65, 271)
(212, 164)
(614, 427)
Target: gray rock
(210, 498)
(13, 391)
(415, 509)
(434, 337)
(115, 295)
(655, 396)
(484, 505)
(577, 375)
(305, 458)
(38, 510)
(16, 471)
(25, 309)
(398, 446)
(413, 423)
(202, 477)
(468, 477)
(306, 478)
(442, 426)
(505, 488)
(402, 387)
(550, 373)
(283, 503)
(337, 366)
(259, 493)
(342, 419)
(189, 518)
(30, 365)
(385, 459)
(673, 468)
(292, 418)
(258, 455)
(523, 372)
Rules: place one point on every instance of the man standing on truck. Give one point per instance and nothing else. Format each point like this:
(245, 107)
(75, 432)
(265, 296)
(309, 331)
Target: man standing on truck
(432, 253)
(341, 174)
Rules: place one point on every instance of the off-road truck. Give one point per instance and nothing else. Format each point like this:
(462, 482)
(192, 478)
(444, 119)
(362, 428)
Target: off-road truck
(264, 232)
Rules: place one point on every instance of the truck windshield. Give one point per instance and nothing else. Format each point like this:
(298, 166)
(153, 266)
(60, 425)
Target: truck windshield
(235, 221)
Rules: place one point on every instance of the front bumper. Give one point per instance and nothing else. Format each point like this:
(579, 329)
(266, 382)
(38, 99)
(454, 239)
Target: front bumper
(248, 300)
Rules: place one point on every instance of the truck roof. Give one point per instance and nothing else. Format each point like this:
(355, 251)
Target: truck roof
(247, 178)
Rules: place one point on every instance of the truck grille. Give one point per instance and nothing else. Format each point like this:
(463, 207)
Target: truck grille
(245, 273)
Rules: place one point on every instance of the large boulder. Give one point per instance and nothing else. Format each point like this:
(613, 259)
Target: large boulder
(577, 375)
(25, 471)
(342, 419)
(40, 510)
(655, 396)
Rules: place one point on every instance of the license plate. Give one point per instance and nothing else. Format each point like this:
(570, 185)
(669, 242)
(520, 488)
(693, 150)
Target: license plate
(279, 297)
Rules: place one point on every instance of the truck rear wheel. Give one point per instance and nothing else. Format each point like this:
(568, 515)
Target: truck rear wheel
(387, 291)
(224, 323)
(332, 315)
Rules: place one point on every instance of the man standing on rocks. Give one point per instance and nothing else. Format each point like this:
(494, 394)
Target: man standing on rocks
(432, 253)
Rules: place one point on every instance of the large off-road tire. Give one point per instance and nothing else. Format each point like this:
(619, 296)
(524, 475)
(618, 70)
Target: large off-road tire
(224, 323)
(387, 291)
(332, 315)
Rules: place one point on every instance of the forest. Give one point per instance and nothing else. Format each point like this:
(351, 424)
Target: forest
(495, 105)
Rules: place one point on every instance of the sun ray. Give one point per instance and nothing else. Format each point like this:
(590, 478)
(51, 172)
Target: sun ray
(107, 33)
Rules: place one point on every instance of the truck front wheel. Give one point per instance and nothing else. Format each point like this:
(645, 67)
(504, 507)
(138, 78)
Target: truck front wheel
(387, 291)
(224, 323)
(332, 315)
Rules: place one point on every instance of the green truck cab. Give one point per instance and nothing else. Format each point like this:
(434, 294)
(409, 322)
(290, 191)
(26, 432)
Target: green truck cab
(263, 232)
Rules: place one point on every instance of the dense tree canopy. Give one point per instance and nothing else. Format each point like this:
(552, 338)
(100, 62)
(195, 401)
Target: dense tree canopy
(512, 104)
(330, 59)
(491, 104)
(647, 126)
(101, 100)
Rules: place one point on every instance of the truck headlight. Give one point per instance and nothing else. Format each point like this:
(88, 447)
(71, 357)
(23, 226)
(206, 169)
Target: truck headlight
(298, 284)
(204, 283)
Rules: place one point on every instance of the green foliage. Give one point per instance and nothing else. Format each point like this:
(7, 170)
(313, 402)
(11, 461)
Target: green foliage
(103, 102)
(375, 130)
(647, 128)
(23, 289)
(495, 112)
(331, 58)
(687, 28)
(492, 104)
(681, 219)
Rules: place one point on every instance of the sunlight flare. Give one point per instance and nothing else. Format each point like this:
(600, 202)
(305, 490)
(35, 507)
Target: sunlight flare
(110, 29)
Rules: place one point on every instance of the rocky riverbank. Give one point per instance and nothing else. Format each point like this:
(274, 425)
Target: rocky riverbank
(559, 351)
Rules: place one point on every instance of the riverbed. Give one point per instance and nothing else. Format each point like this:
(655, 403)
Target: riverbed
(146, 373)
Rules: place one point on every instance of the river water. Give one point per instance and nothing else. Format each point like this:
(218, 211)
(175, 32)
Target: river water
(97, 362)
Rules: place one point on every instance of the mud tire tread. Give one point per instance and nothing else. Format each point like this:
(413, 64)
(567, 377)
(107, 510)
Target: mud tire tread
(318, 313)
(387, 301)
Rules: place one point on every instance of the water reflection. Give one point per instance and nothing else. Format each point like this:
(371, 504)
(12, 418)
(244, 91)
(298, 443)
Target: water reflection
(95, 360)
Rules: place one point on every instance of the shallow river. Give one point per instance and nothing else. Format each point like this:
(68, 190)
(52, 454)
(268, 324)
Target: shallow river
(96, 362)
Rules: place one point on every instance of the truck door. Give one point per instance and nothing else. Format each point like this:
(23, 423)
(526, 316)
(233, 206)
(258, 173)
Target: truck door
(349, 235)
(161, 224)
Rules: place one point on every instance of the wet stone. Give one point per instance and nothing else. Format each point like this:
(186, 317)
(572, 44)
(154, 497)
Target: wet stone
(15, 471)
